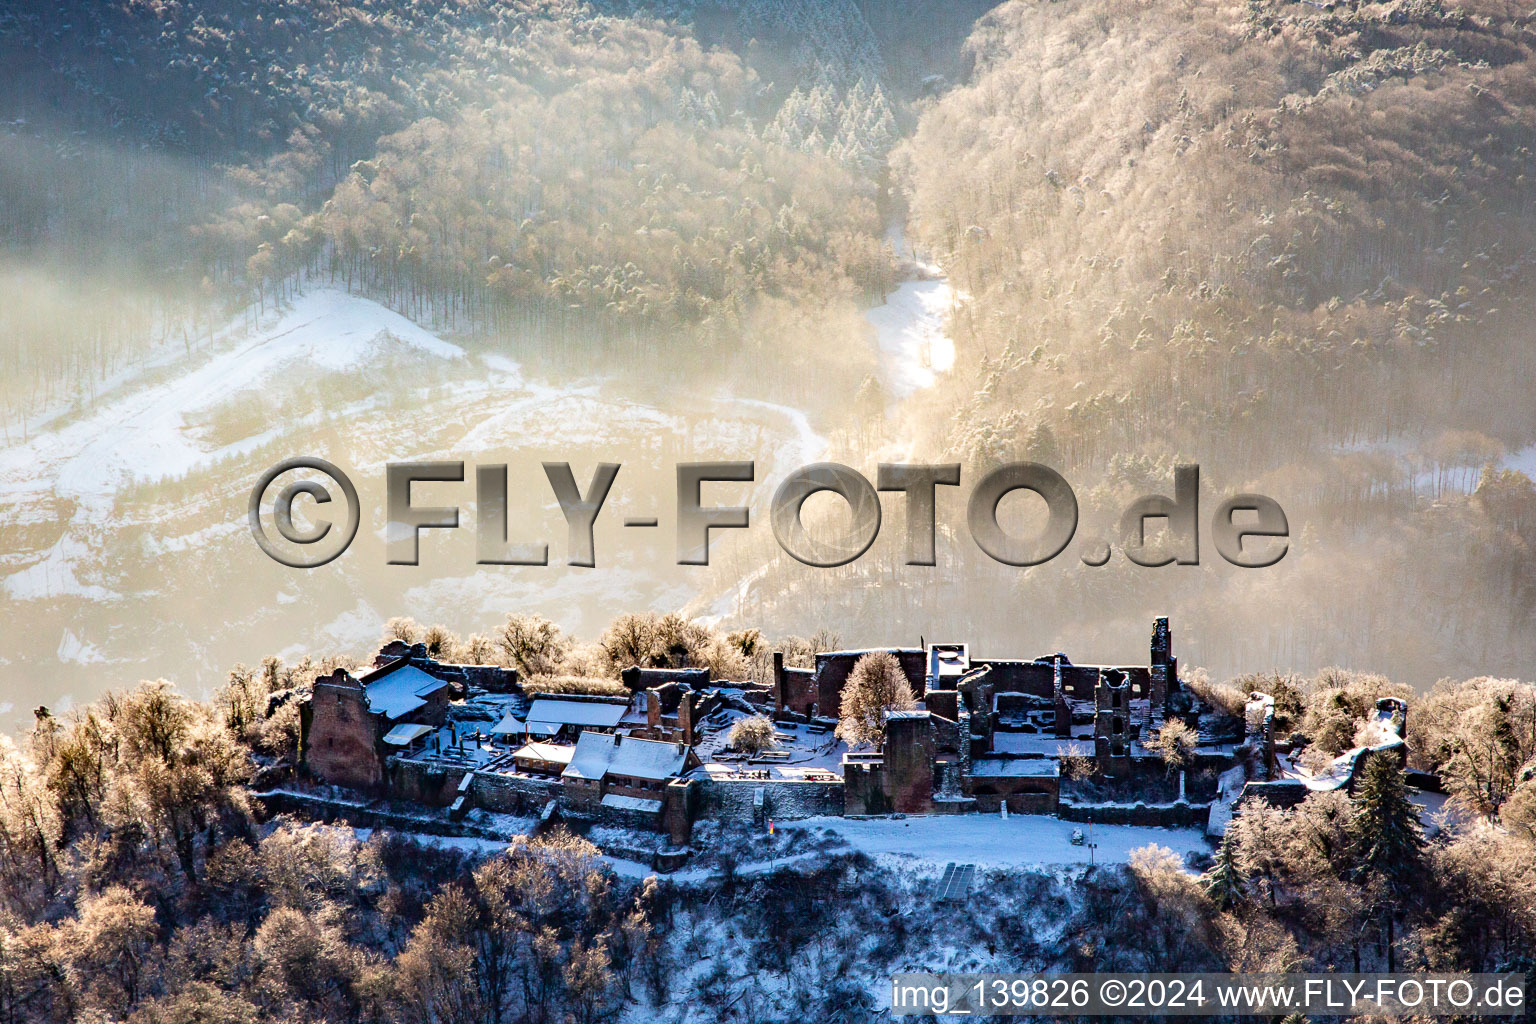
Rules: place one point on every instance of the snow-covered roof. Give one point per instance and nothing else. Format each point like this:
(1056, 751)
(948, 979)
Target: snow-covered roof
(401, 691)
(648, 759)
(631, 803)
(404, 735)
(590, 757)
(1016, 768)
(559, 753)
(949, 660)
(598, 754)
(511, 725)
(859, 652)
(575, 712)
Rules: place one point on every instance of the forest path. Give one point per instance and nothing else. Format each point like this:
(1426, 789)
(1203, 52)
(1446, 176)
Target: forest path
(911, 326)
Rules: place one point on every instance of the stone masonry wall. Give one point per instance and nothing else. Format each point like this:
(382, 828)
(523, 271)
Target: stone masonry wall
(510, 794)
(420, 783)
(340, 742)
(733, 800)
(1160, 815)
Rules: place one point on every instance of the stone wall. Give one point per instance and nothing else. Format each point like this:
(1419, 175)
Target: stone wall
(1281, 793)
(794, 689)
(637, 678)
(1427, 781)
(909, 758)
(734, 800)
(631, 817)
(833, 668)
(1024, 794)
(340, 735)
(511, 794)
(944, 703)
(1018, 803)
(314, 807)
(491, 678)
(1203, 773)
(679, 806)
(422, 783)
(864, 789)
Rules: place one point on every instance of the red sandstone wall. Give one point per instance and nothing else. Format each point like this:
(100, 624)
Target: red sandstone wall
(341, 747)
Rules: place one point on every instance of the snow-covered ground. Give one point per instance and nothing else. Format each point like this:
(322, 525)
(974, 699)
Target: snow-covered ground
(143, 431)
(911, 326)
(923, 843)
(471, 845)
(131, 510)
(807, 754)
(913, 342)
(684, 876)
(91, 555)
(989, 840)
(1038, 744)
(142, 434)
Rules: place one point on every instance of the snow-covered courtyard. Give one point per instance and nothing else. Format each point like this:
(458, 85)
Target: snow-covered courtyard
(988, 840)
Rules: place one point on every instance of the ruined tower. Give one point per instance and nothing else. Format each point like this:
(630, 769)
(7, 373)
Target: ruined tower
(1164, 668)
(1112, 721)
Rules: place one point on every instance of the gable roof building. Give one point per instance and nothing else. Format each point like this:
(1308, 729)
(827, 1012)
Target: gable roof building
(398, 689)
(543, 758)
(584, 714)
(590, 759)
(550, 716)
(352, 723)
(623, 772)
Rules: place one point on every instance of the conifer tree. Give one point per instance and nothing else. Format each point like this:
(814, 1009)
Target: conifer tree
(1389, 843)
(1224, 882)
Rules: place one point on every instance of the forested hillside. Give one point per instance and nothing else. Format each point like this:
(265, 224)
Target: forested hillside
(1286, 241)
(526, 172)
(1290, 242)
(1283, 225)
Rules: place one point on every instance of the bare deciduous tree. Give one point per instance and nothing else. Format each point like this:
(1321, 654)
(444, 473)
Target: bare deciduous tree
(533, 645)
(752, 735)
(876, 686)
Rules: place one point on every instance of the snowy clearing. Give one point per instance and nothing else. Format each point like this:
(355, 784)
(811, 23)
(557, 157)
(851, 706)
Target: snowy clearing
(471, 845)
(142, 435)
(914, 345)
(684, 876)
(987, 840)
(153, 470)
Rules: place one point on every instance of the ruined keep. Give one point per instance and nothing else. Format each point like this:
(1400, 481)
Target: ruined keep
(992, 732)
(1112, 722)
(352, 724)
(819, 691)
